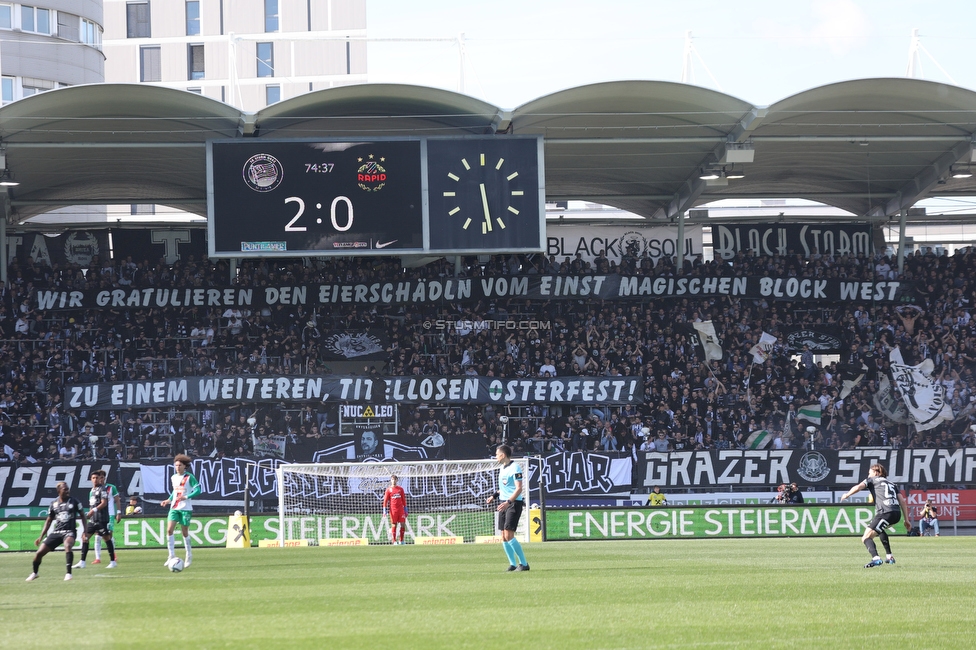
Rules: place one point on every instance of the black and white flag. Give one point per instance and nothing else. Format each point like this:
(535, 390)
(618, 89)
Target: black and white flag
(707, 340)
(368, 345)
(924, 397)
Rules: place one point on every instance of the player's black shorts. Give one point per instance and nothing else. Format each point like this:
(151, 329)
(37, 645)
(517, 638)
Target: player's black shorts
(54, 540)
(883, 520)
(98, 528)
(509, 519)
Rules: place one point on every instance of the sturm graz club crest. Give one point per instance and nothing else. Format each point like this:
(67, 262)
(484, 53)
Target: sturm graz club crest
(80, 248)
(813, 467)
(353, 344)
(262, 172)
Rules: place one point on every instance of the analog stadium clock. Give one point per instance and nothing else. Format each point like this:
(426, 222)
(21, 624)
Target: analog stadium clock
(485, 194)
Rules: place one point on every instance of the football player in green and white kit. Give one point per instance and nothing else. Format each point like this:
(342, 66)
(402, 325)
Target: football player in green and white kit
(114, 515)
(185, 487)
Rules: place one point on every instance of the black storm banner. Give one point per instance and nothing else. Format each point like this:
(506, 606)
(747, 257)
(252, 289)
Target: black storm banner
(301, 389)
(823, 468)
(530, 287)
(767, 239)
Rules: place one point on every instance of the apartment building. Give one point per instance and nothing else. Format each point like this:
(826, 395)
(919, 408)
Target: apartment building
(246, 53)
(48, 45)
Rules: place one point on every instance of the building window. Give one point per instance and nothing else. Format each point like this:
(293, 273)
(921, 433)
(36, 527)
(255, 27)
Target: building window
(265, 59)
(6, 16)
(137, 20)
(150, 68)
(8, 90)
(195, 91)
(272, 94)
(68, 27)
(142, 208)
(34, 19)
(192, 17)
(91, 33)
(270, 15)
(194, 62)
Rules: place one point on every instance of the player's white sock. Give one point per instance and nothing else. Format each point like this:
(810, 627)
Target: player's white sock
(98, 547)
(189, 551)
(171, 545)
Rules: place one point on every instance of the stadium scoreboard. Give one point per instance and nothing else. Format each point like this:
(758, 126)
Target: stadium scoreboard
(445, 196)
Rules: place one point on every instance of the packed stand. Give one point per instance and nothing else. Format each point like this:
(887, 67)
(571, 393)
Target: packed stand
(688, 404)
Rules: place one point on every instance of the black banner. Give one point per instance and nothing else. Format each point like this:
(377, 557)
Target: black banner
(533, 287)
(822, 339)
(220, 478)
(752, 468)
(170, 244)
(77, 247)
(300, 389)
(36, 485)
(767, 239)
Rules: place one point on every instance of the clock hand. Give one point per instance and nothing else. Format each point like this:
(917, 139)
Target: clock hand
(484, 202)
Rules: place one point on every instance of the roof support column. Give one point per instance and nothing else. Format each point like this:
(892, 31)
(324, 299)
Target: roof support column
(680, 249)
(3, 251)
(902, 214)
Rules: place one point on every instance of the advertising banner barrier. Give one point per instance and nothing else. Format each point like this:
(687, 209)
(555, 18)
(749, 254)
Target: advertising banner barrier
(212, 531)
(706, 522)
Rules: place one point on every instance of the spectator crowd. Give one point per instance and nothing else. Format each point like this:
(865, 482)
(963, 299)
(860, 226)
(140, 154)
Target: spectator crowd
(688, 404)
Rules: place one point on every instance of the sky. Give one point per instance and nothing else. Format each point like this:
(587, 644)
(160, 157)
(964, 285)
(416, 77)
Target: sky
(759, 51)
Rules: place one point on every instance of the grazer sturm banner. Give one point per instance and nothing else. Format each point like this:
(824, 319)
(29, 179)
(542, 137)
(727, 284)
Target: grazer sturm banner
(767, 239)
(232, 389)
(821, 468)
(706, 522)
(467, 290)
(614, 242)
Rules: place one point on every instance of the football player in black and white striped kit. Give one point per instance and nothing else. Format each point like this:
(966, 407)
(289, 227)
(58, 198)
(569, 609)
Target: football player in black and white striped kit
(889, 509)
(63, 513)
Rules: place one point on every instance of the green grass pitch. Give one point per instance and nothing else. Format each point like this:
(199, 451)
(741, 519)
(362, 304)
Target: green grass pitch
(738, 593)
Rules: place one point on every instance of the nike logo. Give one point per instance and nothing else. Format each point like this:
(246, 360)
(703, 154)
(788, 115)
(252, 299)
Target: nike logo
(385, 244)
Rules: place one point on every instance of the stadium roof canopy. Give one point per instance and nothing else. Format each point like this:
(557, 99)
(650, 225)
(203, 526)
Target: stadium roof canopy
(872, 147)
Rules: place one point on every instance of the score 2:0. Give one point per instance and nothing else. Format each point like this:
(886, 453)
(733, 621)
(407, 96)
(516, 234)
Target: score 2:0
(291, 227)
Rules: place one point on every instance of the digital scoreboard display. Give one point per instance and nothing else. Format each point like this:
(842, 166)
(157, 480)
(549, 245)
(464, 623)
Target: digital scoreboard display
(296, 198)
(299, 198)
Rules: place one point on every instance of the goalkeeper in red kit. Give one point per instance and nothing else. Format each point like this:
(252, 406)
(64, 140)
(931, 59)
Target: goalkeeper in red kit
(395, 500)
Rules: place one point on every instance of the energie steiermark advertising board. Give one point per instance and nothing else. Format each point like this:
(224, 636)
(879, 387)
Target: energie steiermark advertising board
(722, 521)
